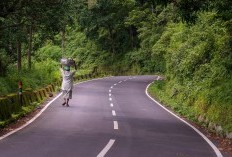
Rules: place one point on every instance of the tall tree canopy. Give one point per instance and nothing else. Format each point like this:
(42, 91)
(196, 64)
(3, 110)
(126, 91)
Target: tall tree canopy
(104, 22)
(20, 20)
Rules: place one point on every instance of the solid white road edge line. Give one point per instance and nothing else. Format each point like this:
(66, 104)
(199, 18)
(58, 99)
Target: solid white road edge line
(218, 153)
(45, 107)
(30, 121)
(115, 125)
(107, 148)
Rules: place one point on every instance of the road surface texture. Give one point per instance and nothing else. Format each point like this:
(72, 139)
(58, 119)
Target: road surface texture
(110, 117)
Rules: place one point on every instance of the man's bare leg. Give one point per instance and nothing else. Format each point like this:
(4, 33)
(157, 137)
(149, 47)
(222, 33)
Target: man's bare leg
(67, 102)
(64, 102)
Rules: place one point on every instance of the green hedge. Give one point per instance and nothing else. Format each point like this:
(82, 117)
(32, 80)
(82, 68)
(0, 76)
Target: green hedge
(11, 106)
(194, 106)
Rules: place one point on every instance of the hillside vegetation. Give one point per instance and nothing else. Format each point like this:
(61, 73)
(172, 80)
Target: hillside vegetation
(188, 42)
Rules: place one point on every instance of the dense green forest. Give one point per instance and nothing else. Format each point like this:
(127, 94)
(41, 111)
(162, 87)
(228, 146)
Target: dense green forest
(189, 42)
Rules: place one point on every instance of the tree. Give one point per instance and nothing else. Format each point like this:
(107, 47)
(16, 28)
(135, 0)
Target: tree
(20, 20)
(104, 23)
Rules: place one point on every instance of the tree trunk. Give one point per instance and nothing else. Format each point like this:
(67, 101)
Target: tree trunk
(132, 37)
(19, 56)
(1, 69)
(152, 8)
(112, 40)
(63, 42)
(29, 47)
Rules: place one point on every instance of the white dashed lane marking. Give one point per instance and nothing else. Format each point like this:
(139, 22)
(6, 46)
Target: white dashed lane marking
(113, 113)
(115, 125)
(111, 142)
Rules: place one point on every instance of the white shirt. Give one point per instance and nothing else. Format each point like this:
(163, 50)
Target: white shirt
(67, 83)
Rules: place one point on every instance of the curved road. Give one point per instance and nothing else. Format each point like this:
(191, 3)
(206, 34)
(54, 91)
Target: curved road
(110, 117)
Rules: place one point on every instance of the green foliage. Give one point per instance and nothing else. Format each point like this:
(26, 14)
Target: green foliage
(196, 52)
(4, 61)
(49, 51)
(197, 60)
(5, 87)
(151, 25)
(223, 8)
(41, 74)
(84, 51)
(26, 25)
(128, 37)
(104, 23)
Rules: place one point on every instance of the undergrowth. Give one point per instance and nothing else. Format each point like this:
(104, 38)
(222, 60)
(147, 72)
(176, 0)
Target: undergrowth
(214, 109)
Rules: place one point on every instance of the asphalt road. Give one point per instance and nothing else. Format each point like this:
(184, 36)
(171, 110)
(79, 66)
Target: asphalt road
(110, 117)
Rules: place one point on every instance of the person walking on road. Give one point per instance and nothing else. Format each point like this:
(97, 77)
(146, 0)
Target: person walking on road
(67, 82)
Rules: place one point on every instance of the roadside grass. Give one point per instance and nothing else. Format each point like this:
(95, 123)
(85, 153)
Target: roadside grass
(22, 113)
(192, 106)
(157, 90)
